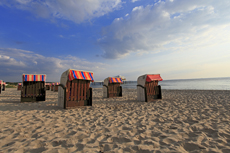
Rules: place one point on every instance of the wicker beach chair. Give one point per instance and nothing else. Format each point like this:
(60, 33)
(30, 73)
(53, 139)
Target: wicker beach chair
(55, 87)
(47, 86)
(112, 87)
(74, 89)
(4, 86)
(33, 88)
(19, 87)
(52, 87)
(148, 88)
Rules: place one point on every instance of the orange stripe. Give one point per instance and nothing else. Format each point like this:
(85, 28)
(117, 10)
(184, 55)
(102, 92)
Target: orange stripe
(79, 75)
(87, 75)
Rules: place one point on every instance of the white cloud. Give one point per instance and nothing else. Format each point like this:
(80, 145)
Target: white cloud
(14, 62)
(137, 8)
(74, 10)
(176, 25)
(135, 0)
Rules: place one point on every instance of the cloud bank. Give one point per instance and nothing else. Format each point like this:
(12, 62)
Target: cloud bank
(15, 62)
(167, 25)
(74, 10)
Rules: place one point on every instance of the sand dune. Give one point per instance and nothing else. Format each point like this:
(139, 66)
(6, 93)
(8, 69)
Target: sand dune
(183, 121)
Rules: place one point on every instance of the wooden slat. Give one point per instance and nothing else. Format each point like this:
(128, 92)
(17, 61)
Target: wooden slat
(67, 91)
(75, 90)
(87, 90)
(38, 87)
(23, 91)
(84, 86)
(33, 89)
(72, 90)
(151, 88)
(28, 90)
(78, 90)
(81, 90)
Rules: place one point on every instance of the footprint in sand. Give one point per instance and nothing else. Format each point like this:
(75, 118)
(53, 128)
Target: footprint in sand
(192, 147)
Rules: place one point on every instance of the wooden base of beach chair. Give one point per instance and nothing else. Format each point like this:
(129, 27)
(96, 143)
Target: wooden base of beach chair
(152, 91)
(114, 90)
(33, 99)
(78, 93)
(33, 91)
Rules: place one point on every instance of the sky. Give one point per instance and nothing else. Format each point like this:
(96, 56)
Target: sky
(178, 39)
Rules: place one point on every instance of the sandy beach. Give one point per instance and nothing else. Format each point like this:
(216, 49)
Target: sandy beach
(183, 121)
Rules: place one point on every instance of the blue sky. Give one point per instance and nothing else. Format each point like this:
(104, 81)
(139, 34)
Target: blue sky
(179, 39)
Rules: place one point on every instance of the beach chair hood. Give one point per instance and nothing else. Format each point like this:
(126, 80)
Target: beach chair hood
(72, 74)
(148, 78)
(112, 80)
(34, 77)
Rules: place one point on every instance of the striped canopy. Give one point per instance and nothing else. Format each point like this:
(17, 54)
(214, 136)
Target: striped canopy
(53, 84)
(19, 84)
(115, 80)
(47, 84)
(33, 77)
(73, 74)
(1, 81)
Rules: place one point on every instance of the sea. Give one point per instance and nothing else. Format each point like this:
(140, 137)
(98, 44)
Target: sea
(182, 84)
